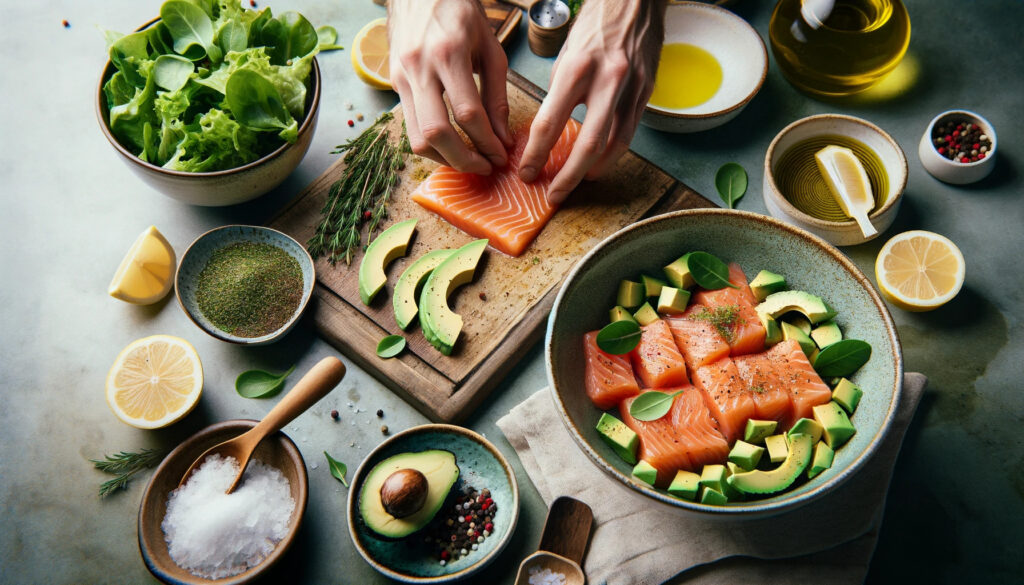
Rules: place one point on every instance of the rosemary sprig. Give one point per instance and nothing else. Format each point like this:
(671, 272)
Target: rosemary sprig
(124, 465)
(362, 193)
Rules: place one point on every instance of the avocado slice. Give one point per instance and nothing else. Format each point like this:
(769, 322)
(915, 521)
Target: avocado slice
(766, 283)
(822, 459)
(652, 286)
(390, 244)
(746, 455)
(807, 426)
(813, 307)
(685, 485)
(713, 497)
(673, 301)
(620, 313)
(678, 272)
(645, 472)
(837, 426)
(772, 331)
(780, 478)
(404, 296)
(826, 334)
(778, 448)
(793, 332)
(646, 314)
(622, 439)
(847, 394)
(757, 430)
(440, 325)
(378, 493)
(631, 294)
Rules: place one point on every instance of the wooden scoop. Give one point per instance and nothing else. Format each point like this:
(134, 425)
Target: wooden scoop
(320, 380)
(563, 543)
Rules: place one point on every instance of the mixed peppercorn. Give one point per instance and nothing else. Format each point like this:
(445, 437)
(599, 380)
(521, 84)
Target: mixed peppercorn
(962, 141)
(463, 527)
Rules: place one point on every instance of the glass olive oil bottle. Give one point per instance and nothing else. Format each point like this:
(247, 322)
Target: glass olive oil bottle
(838, 47)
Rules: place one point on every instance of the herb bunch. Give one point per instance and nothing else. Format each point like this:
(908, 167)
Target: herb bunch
(362, 193)
(124, 465)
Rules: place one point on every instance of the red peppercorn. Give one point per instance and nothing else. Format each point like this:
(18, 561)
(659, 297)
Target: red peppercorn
(444, 555)
(252, 3)
(956, 133)
(489, 527)
(367, 214)
(959, 126)
(351, 123)
(484, 506)
(335, 415)
(942, 150)
(949, 137)
(489, 501)
(476, 534)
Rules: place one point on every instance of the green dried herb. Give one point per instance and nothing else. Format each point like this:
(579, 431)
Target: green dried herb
(124, 465)
(723, 319)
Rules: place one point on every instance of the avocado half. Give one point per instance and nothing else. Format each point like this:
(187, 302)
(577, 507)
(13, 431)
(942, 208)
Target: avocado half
(441, 471)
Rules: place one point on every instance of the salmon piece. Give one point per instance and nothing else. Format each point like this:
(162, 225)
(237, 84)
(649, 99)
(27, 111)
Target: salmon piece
(656, 359)
(772, 400)
(698, 340)
(659, 444)
(697, 430)
(499, 207)
(806, 388)
(726, 397)
(746, 334)
(608, 378)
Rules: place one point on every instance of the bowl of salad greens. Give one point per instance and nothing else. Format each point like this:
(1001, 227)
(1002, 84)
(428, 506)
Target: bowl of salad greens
(211, 103)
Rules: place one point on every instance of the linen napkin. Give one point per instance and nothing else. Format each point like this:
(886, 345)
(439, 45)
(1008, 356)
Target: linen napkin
(639, 543)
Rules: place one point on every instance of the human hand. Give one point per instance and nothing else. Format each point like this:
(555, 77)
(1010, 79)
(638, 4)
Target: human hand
(608, 62)
(436, 45)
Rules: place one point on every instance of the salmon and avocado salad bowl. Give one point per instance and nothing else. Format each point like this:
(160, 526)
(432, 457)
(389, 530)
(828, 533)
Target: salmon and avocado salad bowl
(723, 362)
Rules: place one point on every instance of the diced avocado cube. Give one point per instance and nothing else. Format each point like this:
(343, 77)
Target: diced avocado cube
(733, 468)
(631, 294)
(813, 307)
(757, 430)
(673, 301)
(620, 313)
(826, 334)
(646, 314)
(766, 283)
(746, 455)
(619, 437)
(678, 273)
(793, 332)
(847, 394)
(772, 331)
(807, 426)
(822, 459)
(713, 497)
(685, 485)
(837, 426)
(645, 472)
(652, 286)
(714, 476)
(777, 448)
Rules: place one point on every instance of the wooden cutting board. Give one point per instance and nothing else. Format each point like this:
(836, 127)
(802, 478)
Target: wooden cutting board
(505, 306)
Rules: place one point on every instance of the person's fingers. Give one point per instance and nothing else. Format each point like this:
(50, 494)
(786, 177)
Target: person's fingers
(417, 143)
(437, 131)
(469, 112)
(493, 72)
(627, 118)
(548, 124)
(590, 145)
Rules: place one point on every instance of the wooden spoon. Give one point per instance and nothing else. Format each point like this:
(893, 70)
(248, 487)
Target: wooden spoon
(320, 380)
(563, 543)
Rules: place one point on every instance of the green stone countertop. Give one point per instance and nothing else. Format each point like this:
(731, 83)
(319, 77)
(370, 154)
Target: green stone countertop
(72, 209)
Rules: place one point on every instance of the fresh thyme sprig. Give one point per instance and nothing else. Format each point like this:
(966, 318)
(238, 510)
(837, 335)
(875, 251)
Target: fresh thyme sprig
(362, 193)
(124, 465)
(723, 319)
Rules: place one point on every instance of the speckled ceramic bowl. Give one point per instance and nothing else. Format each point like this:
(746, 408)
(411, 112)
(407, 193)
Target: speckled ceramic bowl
(197, 256)
(756, 242)
(230, 186)
(481, 466)
(951, 172)
(739, 50)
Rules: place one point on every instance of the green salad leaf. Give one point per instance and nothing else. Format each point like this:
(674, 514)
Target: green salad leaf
(260, 384)
(842, 358)
(619, 337)
(327, 37)
(338, 469)
(172, 72)
(708, 271)
(191, 28)
(731, 183)
(256, 103)
(652, 405)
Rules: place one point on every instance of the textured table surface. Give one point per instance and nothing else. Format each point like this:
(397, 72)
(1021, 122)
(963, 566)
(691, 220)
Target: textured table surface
(72, 208)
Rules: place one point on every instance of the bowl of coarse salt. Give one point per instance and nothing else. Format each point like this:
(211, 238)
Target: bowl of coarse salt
(196, 534)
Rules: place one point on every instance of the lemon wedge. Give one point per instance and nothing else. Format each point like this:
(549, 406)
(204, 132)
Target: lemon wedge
(155, 381)
(919, 270)
(848, 182)
(370, 54)
(147, 270)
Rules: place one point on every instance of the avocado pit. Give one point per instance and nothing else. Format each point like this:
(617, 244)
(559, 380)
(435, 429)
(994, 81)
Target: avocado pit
(404, 492)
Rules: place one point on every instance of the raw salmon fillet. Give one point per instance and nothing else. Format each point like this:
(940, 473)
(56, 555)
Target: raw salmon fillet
(608, 378)
(766, 383)
(656, 359)
(659, 444)
(747, 333)
(499, 207)
(697, 339)
(796, 373)
(726, 397)
(697, 430)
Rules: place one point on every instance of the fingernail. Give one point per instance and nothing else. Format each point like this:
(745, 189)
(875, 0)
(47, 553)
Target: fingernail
(527, 173)
(498, 161)
(557, 197)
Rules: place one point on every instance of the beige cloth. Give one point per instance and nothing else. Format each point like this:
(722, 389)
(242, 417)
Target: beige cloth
(830, 540)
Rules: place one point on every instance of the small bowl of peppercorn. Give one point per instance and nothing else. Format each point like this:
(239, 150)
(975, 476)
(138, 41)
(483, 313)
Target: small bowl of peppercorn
(245, 284)
(958, 147)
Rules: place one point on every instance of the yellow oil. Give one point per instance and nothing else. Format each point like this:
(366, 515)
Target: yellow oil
(841, 47)
(800, 182)
(687, 76)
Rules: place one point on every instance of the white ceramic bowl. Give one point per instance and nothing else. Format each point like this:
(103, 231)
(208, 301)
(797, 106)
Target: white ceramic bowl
(739, 50)
(948, 171)
(839, 233)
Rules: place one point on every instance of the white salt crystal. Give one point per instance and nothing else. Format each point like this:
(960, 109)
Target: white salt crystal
(545, 577)
(215, 535)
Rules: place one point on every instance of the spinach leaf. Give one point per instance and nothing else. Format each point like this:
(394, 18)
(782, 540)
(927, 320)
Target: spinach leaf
(842, 358)
(652, 405)
(731, 182)
(327, 38)
(390, 346)
(338, 469)
(172, 72)
(160, 39)
(288, 37)
(191, 29)
(619, 337)
(708, 271)
(260, 384)
(233, 35)
(256, 103)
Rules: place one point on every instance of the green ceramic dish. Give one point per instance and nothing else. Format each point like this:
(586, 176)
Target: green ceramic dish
(481, 465)
(756, 242)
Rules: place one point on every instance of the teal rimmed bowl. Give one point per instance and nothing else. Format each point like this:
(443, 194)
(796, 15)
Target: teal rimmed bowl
(481, 466)
(756, 242)
(197, 255)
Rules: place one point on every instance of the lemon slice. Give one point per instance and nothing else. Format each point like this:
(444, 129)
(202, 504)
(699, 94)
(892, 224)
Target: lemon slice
(919, 270)
(370, 54)
(848, 182)
(155, 381)
(147, 270)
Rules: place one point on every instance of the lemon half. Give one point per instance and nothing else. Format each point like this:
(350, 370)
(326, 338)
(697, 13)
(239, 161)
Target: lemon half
(919, 270)
(155, 381)
(146, 271)
(370, 54)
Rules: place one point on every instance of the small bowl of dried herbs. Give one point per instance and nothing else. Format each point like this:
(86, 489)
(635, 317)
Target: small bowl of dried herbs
(245, 284)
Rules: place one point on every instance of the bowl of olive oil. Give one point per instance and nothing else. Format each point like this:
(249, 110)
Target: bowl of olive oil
(712, 64)
(796, 192)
